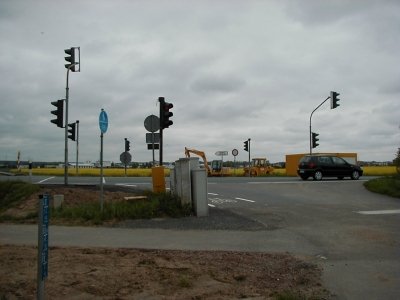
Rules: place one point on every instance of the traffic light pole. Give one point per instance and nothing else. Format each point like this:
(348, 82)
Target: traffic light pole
(66, 126)
(310, 121)
(66, 130)
(249, 157)
(77, 145)
(161, 146)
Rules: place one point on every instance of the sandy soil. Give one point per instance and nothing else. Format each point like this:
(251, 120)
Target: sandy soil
(97, 273)
(77, 273)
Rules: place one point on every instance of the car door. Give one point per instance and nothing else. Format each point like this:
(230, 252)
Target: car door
(326, 166)
(341, 167)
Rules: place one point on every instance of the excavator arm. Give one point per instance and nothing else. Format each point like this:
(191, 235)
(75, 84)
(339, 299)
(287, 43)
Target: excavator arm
(201, 154)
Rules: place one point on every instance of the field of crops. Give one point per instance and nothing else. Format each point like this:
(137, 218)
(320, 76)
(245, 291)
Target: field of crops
(107, 172)
(118, 172)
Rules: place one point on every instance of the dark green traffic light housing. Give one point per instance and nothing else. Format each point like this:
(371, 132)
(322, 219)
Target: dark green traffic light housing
(334, 100)
(59, 113)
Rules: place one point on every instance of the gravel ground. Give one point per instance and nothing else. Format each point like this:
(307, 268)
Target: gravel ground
(218, 219)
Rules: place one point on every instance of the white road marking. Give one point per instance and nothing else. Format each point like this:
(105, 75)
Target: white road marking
(221, 200)
(41, 181)
(104, 180)
(211, 205)
(245, 199)
(214, 194)
(379, 212)
(126, 184)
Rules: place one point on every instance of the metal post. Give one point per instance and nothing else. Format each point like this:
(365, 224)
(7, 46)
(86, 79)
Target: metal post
(152, 143)
(249, 158)
(77, 146)
(310, 122)
(40, 282)
(43, 244)
(161, 146)
(101, 172)
(66, 131)
(161, 102)
(126, 150)
(66, 125)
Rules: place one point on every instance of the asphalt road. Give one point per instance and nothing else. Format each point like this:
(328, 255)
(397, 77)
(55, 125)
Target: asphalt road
(352, 233)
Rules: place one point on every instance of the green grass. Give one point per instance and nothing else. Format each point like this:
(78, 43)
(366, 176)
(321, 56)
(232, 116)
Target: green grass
(389, 185)
(157, 205)
(12, 192)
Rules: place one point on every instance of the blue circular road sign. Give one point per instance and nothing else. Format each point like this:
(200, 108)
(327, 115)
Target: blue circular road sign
(103, 121)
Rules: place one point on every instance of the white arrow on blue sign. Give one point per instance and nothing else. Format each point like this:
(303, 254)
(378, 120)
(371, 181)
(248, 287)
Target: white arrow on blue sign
(103, 121)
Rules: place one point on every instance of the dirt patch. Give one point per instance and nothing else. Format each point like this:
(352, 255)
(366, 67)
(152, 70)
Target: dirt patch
(97, 273)
(78, 273)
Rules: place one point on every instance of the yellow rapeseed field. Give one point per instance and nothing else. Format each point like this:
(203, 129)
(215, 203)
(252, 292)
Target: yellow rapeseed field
(379, 171)
(114, 172)
(108, 172)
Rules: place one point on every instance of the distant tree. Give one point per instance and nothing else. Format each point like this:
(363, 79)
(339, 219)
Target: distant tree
(396, 161)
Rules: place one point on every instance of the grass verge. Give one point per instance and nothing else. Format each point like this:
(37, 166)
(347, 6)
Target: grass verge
(389, 185)
(12, 192)
(157, 205)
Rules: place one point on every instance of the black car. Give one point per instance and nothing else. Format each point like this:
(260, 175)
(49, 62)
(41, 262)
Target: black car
(318, 166)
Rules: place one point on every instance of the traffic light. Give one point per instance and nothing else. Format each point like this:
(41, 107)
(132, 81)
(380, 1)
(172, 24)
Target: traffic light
(246, 146)
(315, 139)
(127, 145)
(70, 59)
(165, 113)
(72, 131)
(334, 100)
(59, 113)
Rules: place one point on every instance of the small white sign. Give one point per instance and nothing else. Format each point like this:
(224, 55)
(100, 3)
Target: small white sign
(221, 153)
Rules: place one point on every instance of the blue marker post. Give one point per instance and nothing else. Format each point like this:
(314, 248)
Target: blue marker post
(43, 243)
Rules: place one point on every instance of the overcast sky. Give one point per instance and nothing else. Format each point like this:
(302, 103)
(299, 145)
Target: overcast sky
(232, 69)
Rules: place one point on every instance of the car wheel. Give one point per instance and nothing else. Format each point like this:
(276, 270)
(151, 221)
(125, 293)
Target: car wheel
(355, 175)
(318, 175)
(304, 177)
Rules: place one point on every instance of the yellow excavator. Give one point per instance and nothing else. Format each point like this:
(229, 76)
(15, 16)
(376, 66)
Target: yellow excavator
(216, 168)
(259, 166)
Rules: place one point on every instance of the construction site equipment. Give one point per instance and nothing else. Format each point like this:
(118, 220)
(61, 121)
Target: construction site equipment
(259, 167)
(216, 168)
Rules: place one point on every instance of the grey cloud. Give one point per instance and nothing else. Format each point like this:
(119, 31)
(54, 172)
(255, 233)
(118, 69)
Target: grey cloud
(217, 84)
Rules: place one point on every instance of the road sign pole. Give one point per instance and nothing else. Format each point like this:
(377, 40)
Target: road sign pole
(152, 124)
(152, 135)
(234, 165)
(101, 172)
(103, 124)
